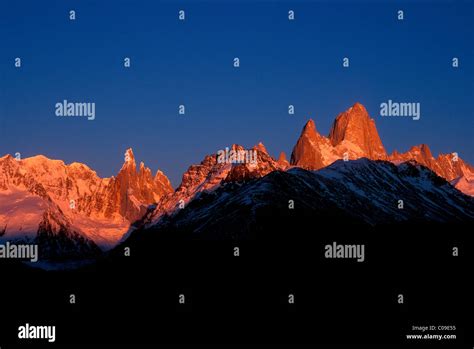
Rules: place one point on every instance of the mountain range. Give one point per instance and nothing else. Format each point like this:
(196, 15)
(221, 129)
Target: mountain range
(72, 212)
(71, 204)
(354, 135)
(359, 193)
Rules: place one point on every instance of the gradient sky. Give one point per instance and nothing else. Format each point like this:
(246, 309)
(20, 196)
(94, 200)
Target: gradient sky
(190, 63)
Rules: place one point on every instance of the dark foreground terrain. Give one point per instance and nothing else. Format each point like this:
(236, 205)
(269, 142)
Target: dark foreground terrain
(241, 299)
(245, 299)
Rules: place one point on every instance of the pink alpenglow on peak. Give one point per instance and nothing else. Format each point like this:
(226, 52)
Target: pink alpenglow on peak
(98, 209)
(282, 161)
(261, 148)
(357, 129)
(211, 173)
(449, 166)
(39, 192)
(354, 135)
(307, 152)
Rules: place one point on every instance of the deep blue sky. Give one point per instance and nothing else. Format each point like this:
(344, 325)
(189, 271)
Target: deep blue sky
(190, 62)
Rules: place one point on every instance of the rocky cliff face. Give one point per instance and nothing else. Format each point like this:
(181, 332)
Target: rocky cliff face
(355, 128)
(448, 166)
(354, 135)
(212, 172)
(71, 205)
(133, 191)
(97, 209)
(308, 152)
(360, 192)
